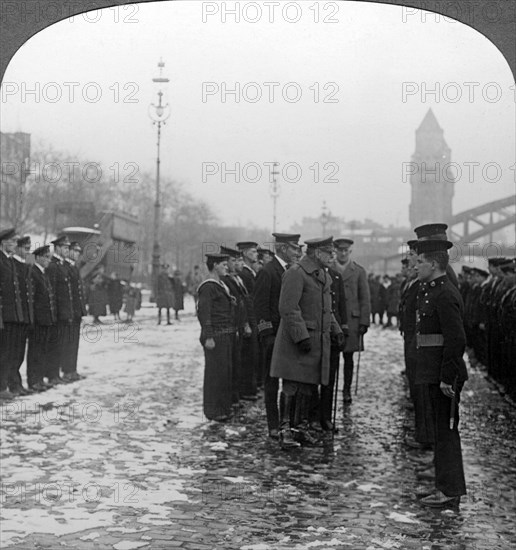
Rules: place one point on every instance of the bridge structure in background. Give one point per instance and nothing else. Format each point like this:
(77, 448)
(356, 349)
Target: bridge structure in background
(483, 220)
(473, 232)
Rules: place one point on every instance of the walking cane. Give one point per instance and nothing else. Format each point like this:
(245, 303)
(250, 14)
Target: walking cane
(360, 340)
(335, 396)
(453, 404)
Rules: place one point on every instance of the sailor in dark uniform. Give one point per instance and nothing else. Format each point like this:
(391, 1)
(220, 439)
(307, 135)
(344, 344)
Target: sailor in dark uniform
(250, 351)
(242, 313)
(266, 301)
(44, 328)
(59, 275)
(69, 363)
(215, 312)
(23, 246)
(441, 341)
(11, 311)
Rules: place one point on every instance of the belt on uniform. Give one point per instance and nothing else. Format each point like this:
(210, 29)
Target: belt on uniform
(429, 340)
(217, 331)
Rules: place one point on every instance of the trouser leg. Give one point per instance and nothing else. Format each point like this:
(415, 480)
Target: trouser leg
(270, 386)
(327, 392)
(5, 354)
(348, 370)
(17, 355)
(449, 469)
(288, 395)
(304, 404)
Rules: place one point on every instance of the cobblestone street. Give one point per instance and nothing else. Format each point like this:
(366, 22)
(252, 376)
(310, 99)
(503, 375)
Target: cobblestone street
(124, 459)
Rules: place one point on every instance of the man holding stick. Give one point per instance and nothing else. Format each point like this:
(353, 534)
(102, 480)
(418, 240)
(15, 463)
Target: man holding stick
(358, 307)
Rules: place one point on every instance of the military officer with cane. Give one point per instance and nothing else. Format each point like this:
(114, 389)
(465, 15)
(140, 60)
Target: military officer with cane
(301, 354)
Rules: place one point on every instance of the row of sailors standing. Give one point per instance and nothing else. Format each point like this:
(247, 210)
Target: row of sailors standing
(41, 306)
(246, 318)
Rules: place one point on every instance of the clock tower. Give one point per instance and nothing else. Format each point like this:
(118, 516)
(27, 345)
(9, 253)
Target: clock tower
(431, 180)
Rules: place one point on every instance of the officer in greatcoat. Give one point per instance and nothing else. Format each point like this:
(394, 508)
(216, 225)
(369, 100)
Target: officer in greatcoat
(44, 329)
(441, 341)
(301, 354)
(358, 304)
(266, 306)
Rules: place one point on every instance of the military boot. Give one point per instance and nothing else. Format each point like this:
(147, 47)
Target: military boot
(286, 437)
(306, 435)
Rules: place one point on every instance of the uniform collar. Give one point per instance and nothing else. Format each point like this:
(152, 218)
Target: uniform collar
(18, 258)
(281, 261)
(437, 283)
(42, 269)
(250, 269)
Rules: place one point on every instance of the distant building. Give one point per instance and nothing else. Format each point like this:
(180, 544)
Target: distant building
(373, 242)
(431, 180)
(14, 164)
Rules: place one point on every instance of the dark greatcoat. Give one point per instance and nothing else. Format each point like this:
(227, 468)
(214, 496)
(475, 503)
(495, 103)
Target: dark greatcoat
(44, 299)
(42, 337)
(97, 300)
(305, 307)
(178, 291)
(59, 276)
(358, 301)
(374, 291)
(115, 292)
(165, 296)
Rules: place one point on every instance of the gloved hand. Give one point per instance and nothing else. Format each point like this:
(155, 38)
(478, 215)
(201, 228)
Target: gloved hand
(362, 329)
(304, 346)
(341, 340)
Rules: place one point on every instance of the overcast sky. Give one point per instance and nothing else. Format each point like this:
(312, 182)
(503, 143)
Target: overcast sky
(367, 132)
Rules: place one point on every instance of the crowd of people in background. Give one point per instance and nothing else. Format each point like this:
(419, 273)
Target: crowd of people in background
(103, 293)
(385, 297)
(42, 305)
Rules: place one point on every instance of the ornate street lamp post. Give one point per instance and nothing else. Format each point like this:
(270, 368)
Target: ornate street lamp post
(325, 218)
(274, 192)
(159, 114)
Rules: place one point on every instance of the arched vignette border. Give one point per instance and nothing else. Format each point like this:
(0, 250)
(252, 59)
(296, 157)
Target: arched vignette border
(500, 30)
